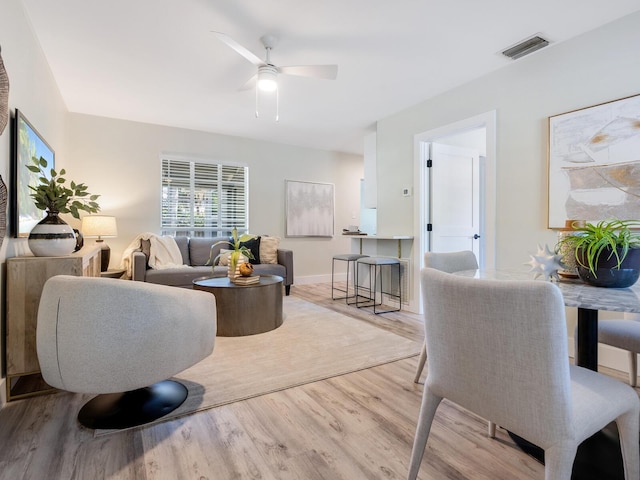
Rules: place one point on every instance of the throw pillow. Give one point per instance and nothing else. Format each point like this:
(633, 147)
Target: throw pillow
(145, 246)
(225, 256)
(254, 246)
(269, 249)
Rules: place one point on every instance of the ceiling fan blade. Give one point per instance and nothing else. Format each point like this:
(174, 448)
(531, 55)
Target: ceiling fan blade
(329, 72)
(251, 83)
(239, 48)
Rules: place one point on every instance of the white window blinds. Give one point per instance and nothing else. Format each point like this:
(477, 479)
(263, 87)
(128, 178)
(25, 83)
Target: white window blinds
(202, 199)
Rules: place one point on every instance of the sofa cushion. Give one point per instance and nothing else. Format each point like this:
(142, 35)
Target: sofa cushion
(178, 277)
(254, 247)
(145, 247)
(183, 246)
(270, 269)
(269, 249)
(201, 249)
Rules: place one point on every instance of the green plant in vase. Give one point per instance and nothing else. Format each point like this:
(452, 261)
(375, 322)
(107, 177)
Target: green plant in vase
(52, 236)
(238, 250)
(51, 193)
(604, 252)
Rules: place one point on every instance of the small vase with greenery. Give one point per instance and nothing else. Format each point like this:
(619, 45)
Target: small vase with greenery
(602, 250)
(52, 236)
(238, 251)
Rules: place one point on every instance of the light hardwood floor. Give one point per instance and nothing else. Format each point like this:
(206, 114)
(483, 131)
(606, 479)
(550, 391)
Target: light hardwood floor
(351, 427)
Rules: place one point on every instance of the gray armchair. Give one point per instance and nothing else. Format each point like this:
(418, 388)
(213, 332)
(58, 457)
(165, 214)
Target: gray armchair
(122, 340)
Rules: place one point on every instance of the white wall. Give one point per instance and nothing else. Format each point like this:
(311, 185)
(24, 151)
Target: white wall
(596, 67)
(121, 161)
(33, 91)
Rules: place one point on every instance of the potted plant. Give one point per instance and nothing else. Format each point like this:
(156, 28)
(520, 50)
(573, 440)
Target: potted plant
(238, 253)
(52, 236)
(607, 253)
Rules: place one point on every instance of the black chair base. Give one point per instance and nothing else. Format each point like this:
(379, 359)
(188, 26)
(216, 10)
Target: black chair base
(133, 408)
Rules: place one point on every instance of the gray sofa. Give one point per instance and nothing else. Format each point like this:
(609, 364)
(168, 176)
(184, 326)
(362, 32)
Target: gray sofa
(196, 253)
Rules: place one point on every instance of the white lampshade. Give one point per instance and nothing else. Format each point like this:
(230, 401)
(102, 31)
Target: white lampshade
(101, 226)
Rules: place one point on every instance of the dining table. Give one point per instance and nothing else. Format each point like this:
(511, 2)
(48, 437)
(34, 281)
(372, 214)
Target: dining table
(599, 457)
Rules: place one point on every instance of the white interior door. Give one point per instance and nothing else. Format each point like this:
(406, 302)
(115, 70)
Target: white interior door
(454, 204)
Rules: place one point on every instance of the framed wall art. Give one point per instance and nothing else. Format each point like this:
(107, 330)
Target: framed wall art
(27, 143)
(309, 209)
(594, 163)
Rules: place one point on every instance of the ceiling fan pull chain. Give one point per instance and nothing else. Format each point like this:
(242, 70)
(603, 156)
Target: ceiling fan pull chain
(257, 100)
(277, 104)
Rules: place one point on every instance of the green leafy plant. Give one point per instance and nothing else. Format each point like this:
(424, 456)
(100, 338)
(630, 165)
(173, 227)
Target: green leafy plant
(237, 247)
(613, 238)
(53, 195)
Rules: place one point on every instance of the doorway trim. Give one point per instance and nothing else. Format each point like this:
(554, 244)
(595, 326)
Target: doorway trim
(488, 192)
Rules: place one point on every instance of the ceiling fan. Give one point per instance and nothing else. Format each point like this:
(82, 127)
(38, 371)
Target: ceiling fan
(267, 74)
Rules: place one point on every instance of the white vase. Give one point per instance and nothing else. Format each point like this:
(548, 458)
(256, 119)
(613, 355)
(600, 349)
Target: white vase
(52, 237)
(233, 274)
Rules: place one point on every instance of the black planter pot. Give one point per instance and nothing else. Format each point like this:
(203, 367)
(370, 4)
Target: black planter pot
(607, 274)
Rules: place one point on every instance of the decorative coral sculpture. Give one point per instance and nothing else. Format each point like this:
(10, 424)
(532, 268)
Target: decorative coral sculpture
(545, 263)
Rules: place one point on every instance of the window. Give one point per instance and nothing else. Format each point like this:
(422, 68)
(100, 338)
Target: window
(203, 199)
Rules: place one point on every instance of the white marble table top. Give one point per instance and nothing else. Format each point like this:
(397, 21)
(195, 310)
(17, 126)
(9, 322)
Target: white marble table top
(576, 293)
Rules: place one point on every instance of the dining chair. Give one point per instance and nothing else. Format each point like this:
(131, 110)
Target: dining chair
(446, 262)
(517, 326)
(624, 334)
(449, 262)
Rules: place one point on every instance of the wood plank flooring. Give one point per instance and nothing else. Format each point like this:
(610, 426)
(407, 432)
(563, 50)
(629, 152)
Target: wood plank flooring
(356, 426)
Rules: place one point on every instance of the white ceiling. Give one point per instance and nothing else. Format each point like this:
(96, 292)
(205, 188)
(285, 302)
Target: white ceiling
(156, 61)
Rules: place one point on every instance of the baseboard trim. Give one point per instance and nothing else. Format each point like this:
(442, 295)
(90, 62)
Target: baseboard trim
(309, 279)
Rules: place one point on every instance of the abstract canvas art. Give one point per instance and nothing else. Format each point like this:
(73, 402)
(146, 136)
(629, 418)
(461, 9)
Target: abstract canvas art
(309, 209)
(594, 163)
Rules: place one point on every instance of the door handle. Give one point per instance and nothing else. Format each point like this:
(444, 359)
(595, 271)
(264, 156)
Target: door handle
(476, 236)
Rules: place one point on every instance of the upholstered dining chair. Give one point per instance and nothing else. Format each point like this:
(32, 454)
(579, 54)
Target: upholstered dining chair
(624, 334)
(446, 262)
(518, 326)
(449, 262)
(122, 340)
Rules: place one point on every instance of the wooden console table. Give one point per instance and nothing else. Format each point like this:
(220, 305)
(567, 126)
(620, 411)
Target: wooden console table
(26, 277)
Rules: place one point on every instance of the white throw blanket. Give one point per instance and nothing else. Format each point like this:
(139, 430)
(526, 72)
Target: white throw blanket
(163, 253)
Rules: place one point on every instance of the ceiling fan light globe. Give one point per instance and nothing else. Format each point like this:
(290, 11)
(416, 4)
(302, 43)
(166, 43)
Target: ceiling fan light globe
(267, 79)
(267, 84)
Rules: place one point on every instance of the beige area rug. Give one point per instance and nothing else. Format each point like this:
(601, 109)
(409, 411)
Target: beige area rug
(313, 343)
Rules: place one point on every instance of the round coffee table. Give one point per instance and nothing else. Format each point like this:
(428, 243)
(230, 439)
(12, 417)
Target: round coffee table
(245, 309)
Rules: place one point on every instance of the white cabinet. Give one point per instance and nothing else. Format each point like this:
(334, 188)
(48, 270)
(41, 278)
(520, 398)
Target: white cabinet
(370, 187)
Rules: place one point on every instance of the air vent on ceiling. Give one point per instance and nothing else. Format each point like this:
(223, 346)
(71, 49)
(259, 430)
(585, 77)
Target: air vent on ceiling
(526, 47)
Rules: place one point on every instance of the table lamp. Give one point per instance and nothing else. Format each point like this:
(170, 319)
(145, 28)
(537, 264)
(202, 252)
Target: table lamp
(100, 227)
